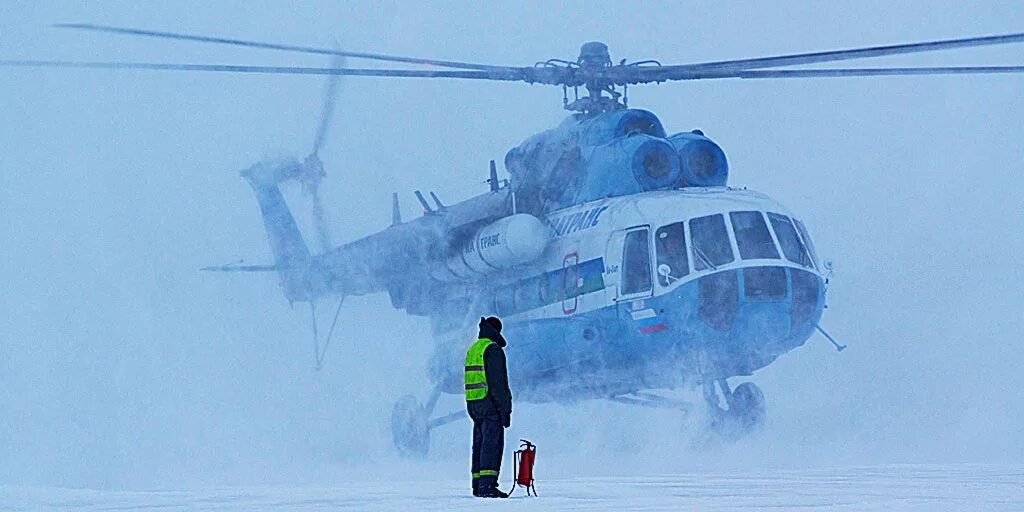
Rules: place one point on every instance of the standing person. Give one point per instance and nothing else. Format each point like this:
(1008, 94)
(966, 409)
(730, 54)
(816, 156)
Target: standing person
(489, 402)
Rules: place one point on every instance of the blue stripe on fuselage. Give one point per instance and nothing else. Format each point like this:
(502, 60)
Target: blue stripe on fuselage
(551, 287)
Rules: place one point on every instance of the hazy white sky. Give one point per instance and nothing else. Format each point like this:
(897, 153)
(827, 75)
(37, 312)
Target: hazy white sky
(121, 365)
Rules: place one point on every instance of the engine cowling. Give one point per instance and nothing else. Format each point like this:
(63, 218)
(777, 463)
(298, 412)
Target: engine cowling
(629, 165)
(617, 124)
(587, 158)
(702, 163)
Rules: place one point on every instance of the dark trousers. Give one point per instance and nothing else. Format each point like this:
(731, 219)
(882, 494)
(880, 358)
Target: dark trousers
(488, 443)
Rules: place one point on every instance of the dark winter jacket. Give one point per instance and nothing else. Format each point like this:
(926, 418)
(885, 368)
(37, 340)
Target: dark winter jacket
(498, 403)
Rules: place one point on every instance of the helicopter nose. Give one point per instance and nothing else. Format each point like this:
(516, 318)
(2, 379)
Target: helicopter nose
(760, 323)
(759, 305)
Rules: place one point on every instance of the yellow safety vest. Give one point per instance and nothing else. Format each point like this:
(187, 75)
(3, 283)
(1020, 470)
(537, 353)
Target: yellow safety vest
(476, 377)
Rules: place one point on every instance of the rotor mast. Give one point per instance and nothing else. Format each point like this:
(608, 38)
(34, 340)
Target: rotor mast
(592, 63)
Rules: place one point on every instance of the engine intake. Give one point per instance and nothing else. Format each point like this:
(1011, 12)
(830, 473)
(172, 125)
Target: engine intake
(702, 163)
(651, 161)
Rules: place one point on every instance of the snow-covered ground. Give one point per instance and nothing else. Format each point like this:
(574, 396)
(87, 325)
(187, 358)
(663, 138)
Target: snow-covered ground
(930, 488)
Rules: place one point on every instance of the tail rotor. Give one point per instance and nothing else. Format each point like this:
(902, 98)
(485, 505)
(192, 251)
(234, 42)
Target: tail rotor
(312, 172)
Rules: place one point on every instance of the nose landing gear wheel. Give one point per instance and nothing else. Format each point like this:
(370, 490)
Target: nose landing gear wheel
(409, 428)
(746, 414)
(748, 402)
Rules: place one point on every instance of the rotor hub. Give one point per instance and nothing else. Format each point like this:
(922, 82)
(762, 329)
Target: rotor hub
(594, 55)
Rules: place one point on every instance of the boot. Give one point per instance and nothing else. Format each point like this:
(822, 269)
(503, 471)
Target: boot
(491, 492)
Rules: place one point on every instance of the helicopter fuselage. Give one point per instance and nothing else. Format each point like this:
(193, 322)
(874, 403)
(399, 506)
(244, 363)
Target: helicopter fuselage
(617, 258)
(654, 290)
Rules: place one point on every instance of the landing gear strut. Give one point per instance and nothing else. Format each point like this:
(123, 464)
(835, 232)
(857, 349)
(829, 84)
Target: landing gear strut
(411, 424)
(746, 413)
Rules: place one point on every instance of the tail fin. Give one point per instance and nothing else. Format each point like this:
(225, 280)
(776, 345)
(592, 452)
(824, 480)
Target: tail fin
(286, 241)
(291, 254)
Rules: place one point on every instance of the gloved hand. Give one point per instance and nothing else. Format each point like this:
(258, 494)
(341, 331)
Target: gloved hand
(506, 420)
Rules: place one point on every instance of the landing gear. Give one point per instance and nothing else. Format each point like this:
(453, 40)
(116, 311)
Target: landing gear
(748, 401)
(409, 429)
(411, 424)
(746, 413)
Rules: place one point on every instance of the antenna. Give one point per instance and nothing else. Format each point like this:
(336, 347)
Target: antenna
(423, 202)
(493, 180)
(440, 205)
(396, 212)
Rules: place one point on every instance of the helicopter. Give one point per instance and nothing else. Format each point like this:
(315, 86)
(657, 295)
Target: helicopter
(619, 257)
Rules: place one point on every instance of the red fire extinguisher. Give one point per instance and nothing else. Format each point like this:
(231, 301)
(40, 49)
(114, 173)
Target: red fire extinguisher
(523, 462)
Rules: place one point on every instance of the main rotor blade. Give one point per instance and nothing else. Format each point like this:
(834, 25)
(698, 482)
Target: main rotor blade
(857, 72)
(274, 46)
(640, 75)
(618, 75)
(671, 72)
(647, 75)
(241, 268)
(512, 74)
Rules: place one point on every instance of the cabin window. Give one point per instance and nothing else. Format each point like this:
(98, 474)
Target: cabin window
(670, 242)
(752, 236)
(528, 294)
(551, 287)
(807, 241)
(792, 247)
(710, 242)
(636, 263)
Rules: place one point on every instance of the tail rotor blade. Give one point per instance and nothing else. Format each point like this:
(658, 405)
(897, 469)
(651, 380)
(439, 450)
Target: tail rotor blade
(315, 169)
(327, 109)
(319, 221)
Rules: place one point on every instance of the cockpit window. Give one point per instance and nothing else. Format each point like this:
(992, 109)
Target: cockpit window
(752, 236)
(792, 247)
(670, 242)
(807, 241)
(636, 276)
(710, 242)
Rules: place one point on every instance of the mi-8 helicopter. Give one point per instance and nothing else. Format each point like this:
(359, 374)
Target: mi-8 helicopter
(617, 254)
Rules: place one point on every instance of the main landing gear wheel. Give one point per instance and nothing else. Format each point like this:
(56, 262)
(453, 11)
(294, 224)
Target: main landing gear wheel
(411, 424)
(409, 429)
(746, 414)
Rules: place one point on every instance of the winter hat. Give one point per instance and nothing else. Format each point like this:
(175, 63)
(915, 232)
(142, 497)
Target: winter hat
(494, 322)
